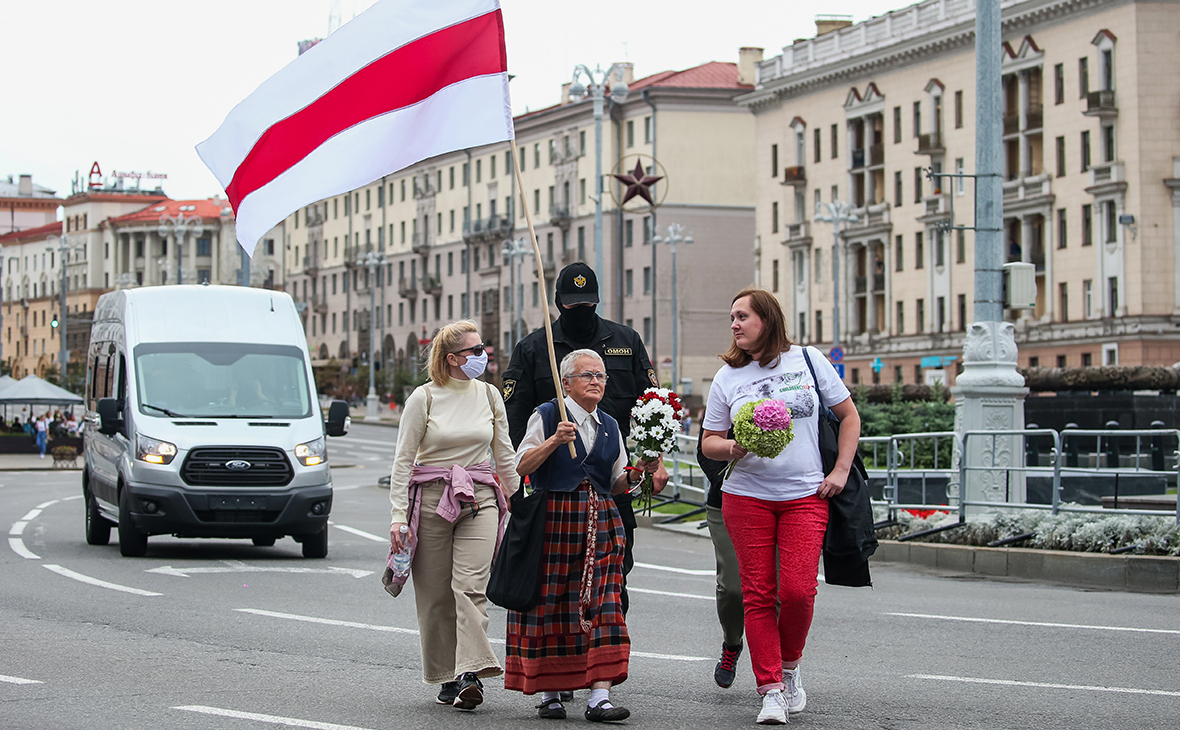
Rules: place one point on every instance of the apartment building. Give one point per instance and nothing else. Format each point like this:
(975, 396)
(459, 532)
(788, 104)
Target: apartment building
(1091, 195)
(437, 230)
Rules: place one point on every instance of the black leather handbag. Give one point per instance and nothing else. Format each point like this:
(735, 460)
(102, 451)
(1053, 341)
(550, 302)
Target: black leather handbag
(850, 538)
(515, 581)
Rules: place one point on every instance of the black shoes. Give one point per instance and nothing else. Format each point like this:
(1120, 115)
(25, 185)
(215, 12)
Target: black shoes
(447, 693)
(726, 669)
(606, 713)
(551, 710)
(470, 692)
(566, 696)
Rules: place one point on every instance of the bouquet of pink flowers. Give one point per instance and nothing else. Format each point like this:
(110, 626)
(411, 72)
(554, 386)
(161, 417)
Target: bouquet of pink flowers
(657, 415)
(764, 428)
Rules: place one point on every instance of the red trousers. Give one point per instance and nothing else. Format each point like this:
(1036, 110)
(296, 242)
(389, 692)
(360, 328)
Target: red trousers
(794, 533)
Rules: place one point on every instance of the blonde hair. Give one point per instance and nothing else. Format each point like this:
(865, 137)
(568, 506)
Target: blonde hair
(446, 341)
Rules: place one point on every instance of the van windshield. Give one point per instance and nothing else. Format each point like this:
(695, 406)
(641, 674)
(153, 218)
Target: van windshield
(221, 380)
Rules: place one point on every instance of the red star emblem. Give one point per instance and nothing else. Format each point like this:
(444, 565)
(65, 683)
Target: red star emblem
(638, 183)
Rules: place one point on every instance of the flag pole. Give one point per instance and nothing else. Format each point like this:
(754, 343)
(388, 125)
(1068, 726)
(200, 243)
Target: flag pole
(544, 291)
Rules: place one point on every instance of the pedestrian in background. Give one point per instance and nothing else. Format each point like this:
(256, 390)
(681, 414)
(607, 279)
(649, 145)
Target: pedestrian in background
(576, 637)
(42, 433)
(777, 508)
(444, 487)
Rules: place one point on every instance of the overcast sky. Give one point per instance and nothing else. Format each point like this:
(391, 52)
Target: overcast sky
(136, 84)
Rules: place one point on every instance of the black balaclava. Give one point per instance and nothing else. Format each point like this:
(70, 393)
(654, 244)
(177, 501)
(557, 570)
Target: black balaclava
(579, 323)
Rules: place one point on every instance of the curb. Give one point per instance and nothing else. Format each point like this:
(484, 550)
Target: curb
(1133, 573)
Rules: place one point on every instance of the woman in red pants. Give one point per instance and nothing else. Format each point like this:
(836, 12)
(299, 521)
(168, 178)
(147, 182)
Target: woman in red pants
(777, 507)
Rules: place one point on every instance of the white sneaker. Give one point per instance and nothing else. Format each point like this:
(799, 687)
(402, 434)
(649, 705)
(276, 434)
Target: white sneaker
(774, 709)
(795, 696)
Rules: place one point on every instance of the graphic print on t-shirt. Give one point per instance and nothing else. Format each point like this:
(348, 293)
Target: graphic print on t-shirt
(790, 388)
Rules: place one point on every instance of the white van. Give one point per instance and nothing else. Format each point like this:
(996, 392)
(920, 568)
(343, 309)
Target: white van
(202, 420)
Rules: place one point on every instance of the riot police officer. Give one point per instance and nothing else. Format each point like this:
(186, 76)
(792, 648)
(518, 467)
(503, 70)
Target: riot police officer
(528, 381)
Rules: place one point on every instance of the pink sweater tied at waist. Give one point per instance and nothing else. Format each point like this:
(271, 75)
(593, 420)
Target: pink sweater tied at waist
(458, 488)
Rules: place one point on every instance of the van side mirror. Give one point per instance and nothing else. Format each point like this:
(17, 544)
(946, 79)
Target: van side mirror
(110, 416)
(338, 419)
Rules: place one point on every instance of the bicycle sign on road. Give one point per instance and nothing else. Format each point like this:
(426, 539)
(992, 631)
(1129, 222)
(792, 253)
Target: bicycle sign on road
(836, 354)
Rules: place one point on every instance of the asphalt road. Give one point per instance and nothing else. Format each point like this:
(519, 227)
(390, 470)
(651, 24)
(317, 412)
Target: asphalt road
(222, 634)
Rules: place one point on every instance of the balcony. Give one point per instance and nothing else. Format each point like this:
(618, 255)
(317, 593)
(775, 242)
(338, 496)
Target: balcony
(1101, 104)
(1035, 117)
(876, 155)
(1107, 178)
(320, 304)
(560, 216)
(861, 284)
(878, 283)
(872, 216)
(1011, 123)
(407, 288)
(1029, 189)
(931, 143)
(432, 286)
(311, 265)
(796, 175)
(798, 231)
(858, 158)
(422, 187)
(492, 228)
(419, 244)
(934, 207)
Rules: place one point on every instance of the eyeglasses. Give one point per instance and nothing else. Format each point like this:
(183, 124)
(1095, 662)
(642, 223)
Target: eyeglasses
(476, 350)
(589, 376)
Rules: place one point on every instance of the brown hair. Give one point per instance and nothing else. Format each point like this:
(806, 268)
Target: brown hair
(774, 340)
(445, 341)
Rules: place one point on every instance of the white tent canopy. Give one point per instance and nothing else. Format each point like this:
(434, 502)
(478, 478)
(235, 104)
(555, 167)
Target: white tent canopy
(34, 391)
(5, 381)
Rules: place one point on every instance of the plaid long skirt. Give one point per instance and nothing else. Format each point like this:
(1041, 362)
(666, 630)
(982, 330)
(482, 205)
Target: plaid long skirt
(547, 648)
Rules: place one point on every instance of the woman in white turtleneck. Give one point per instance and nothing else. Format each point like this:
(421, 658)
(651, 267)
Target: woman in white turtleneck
(452, 445)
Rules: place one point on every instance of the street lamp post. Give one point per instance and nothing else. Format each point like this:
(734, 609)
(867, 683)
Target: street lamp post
(179, 227)
(596, 89)
(64, 246)
(837, 212)
(514, 251)
(3, 274)
(373, 260)
(675, 236)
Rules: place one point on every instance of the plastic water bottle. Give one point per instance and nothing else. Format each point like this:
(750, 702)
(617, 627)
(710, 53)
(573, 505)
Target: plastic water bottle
(403, 558)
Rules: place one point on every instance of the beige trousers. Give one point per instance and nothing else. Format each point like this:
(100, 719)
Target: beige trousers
(451, 567)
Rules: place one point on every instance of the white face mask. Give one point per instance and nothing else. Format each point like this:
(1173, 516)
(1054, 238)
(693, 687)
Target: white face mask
(475, 365)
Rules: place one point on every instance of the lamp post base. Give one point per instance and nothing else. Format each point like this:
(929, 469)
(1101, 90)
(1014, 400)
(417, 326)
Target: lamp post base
(371, 406)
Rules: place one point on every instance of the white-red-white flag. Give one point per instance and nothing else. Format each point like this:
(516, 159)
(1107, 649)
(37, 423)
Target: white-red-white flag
(404, 81)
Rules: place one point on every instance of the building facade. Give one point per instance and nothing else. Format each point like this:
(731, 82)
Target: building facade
(1091, 195)
(25, 205)
(441, 225)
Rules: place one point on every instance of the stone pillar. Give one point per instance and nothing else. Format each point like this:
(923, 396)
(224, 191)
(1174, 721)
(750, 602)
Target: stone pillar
(1024, 158)
(1173, 184)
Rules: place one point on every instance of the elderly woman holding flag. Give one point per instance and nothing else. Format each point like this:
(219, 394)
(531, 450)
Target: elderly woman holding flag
(576, 637)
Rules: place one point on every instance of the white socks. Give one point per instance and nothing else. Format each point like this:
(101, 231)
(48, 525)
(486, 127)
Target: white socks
(597, 696)
(547, 697)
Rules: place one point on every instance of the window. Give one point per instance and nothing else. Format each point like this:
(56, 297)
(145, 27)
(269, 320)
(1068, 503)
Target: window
(896, 124)
(917, 185)
(450, 306)
(401, 314)
(801, 331)
(1063, 299)
(581, 243)
(536, 295)
(960, 246)
(479, 170)
(1088, 298)
(1062, 238)
(940, 313)
(205, 246)
(582, 142)
(1087, 359)
(774, 160)
(897, 194)
(582, 191)
(917, 118)
(819, 265)
(629, 282)
(492, 170)
(773, 275)
(898, 259)
(1110, 354)
(1059, 84)
(1108, 143)
(647, 280)
(900, 318)
(647, 329)
(1107, 71)
(835, 193)
(819, 326)
(1112, 229)
(537, 199)
(800, 267)
(536, 155)
(773, 219)
(959, 109)
(630, 132)
(1087, 225)
(1112, 294)
(818, 152)
(962, 312)
(835, 141)
(1083, 77)
(939, 249)
(921, 321)
(646, 130)
(919, 253)
(960, 169)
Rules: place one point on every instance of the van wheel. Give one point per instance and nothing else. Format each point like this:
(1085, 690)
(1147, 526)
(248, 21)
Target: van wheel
(264, 541)
(98, 530)
(132, 542)
(316, 544)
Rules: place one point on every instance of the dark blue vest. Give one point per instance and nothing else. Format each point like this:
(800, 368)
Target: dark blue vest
(560, 473)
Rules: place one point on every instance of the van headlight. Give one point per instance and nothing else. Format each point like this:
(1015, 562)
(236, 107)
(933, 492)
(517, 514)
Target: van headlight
(154, 451)
(312, 452)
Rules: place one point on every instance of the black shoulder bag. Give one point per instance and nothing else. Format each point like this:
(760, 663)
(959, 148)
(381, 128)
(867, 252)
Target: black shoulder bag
(850, 538)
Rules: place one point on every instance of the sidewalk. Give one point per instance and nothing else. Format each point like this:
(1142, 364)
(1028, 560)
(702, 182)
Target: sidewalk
(32, 462)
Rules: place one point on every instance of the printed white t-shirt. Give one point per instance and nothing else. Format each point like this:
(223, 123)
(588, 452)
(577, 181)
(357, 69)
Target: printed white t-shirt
(797, 471)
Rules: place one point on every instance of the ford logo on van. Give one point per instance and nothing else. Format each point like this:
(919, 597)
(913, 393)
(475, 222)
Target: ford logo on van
(237, 465)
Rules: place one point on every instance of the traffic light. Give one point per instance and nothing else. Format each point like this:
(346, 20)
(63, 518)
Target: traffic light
(53, 324)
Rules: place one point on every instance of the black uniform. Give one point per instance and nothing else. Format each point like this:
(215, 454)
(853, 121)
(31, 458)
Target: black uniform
(528, 382)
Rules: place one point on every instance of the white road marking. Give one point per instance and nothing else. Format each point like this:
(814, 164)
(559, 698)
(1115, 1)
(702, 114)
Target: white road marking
(1046, 685)
(100, 583)
(1037, 623)
(70, 499)
(43, 505)
(19, 680)
(272, 719)
(18, 528)
(360, 533)
(414, 632)
(633, 589)
(236, 566)
(685, 571)
(350, 440)
(18, 547)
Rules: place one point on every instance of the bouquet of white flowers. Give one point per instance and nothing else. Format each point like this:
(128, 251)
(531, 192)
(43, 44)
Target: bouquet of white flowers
(657, 415)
